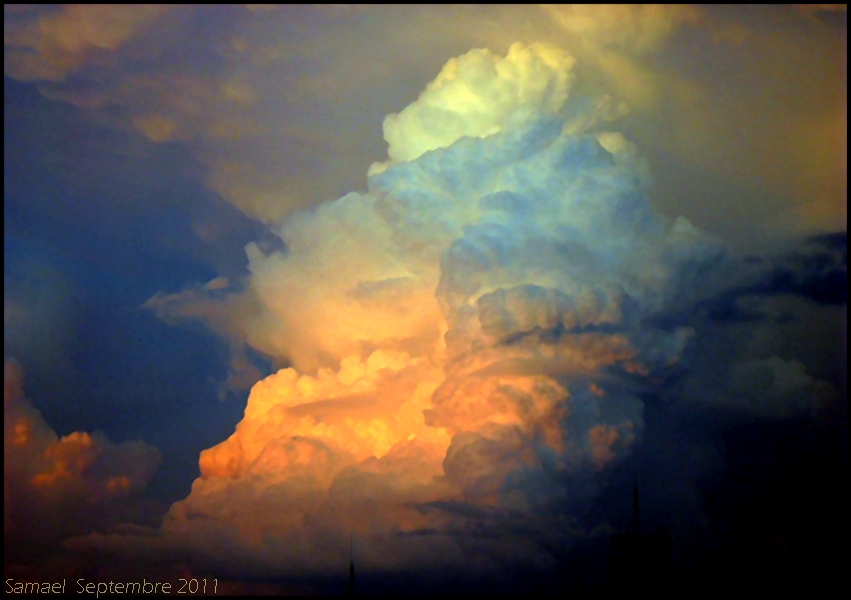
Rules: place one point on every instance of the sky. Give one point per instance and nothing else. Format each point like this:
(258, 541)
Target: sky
(446, 281)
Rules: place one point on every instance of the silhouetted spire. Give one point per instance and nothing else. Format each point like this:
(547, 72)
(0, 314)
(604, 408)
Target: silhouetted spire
(635, 514)
(351, 590)
(640, 559)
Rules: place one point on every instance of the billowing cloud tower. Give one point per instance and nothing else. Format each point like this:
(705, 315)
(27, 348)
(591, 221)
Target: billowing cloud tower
(466, 337)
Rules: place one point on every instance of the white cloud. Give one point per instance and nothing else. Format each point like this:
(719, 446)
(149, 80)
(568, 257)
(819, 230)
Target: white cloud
(470, 320)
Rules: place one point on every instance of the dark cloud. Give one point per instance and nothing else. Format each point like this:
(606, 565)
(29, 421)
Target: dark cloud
(58, 487)
(817, 271)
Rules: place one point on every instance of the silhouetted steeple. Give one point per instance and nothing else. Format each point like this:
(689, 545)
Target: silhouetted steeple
(640, 559)
(635, 513)
(351, 590)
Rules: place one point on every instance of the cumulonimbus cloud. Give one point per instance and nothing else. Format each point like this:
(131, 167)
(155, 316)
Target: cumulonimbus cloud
(468, 330)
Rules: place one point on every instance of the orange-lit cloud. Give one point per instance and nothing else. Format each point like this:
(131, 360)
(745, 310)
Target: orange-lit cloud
(57, 487)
